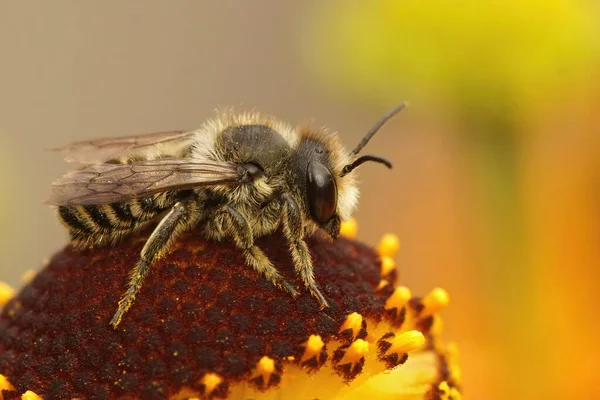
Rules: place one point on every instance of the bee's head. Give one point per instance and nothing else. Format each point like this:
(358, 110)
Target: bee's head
(324, 170)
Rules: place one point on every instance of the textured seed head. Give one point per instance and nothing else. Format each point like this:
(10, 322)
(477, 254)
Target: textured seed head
(205, 325)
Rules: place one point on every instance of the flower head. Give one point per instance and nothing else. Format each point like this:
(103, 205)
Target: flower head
(206, 326)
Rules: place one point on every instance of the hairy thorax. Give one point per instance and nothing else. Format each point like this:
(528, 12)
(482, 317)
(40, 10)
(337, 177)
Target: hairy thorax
(258, 202)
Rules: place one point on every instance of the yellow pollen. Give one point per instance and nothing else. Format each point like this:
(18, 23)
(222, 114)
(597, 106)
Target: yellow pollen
(265, 367)
(349, 228)
(388, 245)
(29, 395)
(6, 293)
(407, 342)
(353, 321)
(314, 345)
(211, 381)
(387, 265)
(5, 384)
(434, 302)
(355, 352)
(399, 298)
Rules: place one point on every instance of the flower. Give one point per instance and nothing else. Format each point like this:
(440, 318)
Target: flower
(206, 326)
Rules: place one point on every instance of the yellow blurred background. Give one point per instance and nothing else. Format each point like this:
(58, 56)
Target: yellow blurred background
(495, 192)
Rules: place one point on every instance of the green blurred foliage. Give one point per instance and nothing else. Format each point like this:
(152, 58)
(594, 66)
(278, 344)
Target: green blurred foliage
(478, 53)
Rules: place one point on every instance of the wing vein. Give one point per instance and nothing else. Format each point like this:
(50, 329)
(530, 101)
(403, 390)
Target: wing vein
(110, 183)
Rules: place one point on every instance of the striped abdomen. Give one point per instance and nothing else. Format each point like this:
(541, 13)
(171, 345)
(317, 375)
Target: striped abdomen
(100, 224)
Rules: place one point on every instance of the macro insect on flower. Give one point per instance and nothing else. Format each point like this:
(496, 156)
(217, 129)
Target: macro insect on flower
(238, 177)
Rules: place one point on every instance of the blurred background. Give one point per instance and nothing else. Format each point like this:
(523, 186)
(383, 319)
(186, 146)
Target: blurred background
(495, 192)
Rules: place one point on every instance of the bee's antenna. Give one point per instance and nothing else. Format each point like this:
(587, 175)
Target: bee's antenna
(376, 127)
(363, 159)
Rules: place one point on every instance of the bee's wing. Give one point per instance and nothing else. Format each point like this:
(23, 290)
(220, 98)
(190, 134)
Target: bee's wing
(101, 150)
(111, 183)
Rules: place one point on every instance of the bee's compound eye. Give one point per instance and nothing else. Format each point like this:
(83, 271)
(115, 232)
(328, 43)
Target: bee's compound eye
(321, 192)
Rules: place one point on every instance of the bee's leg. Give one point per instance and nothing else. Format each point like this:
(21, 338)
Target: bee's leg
(292, 228)
(255, 257)
(173, 223)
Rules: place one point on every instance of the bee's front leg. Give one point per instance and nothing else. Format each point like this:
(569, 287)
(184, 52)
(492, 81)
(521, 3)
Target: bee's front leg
(292, 228)
(255, 257)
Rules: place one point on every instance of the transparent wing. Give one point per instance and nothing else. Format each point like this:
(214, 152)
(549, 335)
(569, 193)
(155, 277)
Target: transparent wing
(101, 150)
(110, 183)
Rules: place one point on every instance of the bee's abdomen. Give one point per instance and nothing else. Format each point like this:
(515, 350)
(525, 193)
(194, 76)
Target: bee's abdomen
(71, 217)
(108, 223)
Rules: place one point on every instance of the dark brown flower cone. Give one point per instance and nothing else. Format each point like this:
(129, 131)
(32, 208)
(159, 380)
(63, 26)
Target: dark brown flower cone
(205, 325)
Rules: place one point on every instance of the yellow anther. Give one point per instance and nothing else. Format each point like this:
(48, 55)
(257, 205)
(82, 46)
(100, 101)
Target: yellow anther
(6, 293)
(5, 384)
(388, 245)
(314, 345)
(355, 352)
(434, 302)
(448, 393)
(382, 283)
(265, 367)
(455, 394)
(387, 265)
(349, 228)
(210, 382)
(399, 298)
(353, 321)
(407, 342)
(29, 395)
(445, 389)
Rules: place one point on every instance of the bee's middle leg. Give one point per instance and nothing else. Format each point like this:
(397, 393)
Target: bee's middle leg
(172, 224)
(255, 257)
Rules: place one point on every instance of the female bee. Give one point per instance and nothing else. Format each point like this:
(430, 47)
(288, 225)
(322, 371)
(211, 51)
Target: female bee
(238, 177)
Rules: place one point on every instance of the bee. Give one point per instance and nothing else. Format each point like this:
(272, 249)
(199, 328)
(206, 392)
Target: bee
(238, 177)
